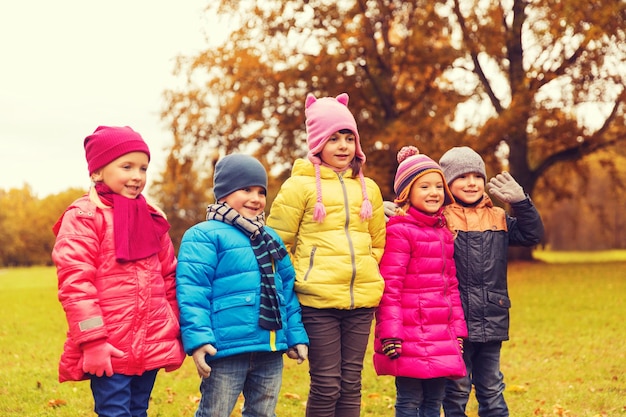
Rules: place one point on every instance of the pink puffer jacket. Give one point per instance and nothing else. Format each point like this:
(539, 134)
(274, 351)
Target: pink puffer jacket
(131, 305)
(421, 303)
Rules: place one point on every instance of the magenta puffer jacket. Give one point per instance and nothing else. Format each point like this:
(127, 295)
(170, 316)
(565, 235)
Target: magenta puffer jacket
(132, 305)
(421, 305)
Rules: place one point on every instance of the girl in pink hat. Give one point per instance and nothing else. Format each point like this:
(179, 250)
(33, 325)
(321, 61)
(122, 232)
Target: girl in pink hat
(420, 324)
(116, 275)
(331, 218)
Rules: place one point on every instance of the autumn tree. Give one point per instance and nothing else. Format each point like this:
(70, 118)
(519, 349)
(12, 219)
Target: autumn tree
(181, 193)
(26, 222)
(531, 85)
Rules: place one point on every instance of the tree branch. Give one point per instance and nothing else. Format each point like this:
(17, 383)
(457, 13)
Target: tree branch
(587, 146)
(478, 70)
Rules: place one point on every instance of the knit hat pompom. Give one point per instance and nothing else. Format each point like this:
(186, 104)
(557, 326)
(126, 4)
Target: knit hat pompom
(406, 152)
(235, 172)
(107, 143)
(413, 165)
(324, 117)
(461, 160)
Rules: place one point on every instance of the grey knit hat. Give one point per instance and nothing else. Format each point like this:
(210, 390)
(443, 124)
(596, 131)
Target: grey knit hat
(461, 160)
(235, 172)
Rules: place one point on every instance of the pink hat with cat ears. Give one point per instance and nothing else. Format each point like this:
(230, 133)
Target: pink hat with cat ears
(324, 117)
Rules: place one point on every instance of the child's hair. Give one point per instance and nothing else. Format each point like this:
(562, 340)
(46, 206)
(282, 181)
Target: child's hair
(107, 143)
(461, 160)
(413, 165)
(235, 172)
(324, 117)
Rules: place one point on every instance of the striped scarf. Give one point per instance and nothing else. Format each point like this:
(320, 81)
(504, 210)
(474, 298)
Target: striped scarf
(266, 250)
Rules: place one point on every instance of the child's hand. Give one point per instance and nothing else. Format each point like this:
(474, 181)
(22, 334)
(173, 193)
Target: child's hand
(460, 340)
(389, 208)
(96, 357)
(505, 188)
(392, 348)
(204, 370)
(299, 352)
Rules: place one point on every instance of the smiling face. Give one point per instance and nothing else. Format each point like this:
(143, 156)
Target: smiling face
(427, 193)
(249, 202)
(339, 150)
(468, 188)
(125, 175)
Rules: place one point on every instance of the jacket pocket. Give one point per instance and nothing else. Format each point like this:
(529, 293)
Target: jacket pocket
(500, 300)
(234, 316)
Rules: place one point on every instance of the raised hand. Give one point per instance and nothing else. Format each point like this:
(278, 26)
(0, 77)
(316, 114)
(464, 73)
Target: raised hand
(504, 187)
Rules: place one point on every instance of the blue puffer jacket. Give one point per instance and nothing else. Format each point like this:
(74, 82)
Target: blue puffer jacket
(218, 284)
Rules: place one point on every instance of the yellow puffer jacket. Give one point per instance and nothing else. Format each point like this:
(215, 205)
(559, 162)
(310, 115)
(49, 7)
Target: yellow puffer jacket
(336, 261)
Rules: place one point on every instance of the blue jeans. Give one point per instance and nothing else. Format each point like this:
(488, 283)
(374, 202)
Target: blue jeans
(483, 369)
(258, 375)
(419, 397)
(122, 395)
(338, 340)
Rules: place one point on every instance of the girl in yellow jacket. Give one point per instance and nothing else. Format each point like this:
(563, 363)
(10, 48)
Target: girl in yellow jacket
(331, 218)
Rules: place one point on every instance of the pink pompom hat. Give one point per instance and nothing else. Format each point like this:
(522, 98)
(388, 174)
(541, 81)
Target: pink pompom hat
(414, 165)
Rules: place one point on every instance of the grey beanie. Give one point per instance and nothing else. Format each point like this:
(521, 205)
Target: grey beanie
(235, 172)
(461, 160)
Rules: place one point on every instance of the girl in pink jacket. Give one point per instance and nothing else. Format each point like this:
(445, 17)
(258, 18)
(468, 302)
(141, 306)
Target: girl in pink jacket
(116, 274)
(419, 322)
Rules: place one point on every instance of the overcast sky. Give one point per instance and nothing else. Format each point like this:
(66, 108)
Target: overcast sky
(68, 66)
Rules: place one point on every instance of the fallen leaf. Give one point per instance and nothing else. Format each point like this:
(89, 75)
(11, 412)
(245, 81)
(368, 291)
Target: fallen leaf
(56, 403)
(558, 410)
(516, 388)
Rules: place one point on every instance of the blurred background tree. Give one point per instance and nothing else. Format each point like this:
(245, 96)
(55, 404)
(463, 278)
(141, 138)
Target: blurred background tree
(26, 222)
(534, 87)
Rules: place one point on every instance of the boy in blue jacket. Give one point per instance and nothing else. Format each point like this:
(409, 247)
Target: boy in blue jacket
(238, 310)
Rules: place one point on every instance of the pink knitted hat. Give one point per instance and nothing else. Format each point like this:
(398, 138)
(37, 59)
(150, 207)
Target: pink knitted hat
(107, 143)
(414, 165)
(324, 117)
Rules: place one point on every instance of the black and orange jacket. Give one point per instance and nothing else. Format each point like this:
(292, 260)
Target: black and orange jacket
(483, 235)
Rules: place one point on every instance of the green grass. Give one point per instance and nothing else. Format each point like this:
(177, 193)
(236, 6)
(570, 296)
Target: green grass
(566, 357)
(616, 255)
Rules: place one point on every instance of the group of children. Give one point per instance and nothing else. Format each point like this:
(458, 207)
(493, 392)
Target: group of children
(307, 282)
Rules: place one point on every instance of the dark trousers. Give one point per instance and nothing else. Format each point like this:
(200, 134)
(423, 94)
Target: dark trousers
(122, 395)
(419, 397)
(483, 371)
(338, 340)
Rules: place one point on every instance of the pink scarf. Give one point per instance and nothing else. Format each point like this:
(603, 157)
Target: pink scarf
(137, 228)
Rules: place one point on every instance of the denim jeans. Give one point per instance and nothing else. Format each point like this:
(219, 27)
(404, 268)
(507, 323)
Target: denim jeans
(122, 395)
(258, 375)
(483, 369)
(338, 339)
(419, 397)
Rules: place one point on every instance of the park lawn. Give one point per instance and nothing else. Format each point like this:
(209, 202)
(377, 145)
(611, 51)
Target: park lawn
(566, 356)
